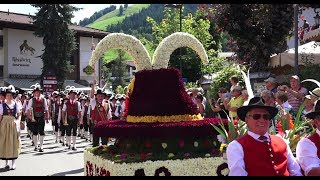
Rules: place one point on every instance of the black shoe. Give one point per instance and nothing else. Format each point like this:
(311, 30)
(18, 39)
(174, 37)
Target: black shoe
(35, 149)
(67, 144)
(62, 144)
(40, 150)
(28, 136)
(32, 143)
(86, 139)
(7, 167)
(69, 147)
(73, 148)
(79, 135)
(12, 168)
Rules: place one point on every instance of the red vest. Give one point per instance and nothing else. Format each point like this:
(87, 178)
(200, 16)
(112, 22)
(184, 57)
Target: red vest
(38, 105)
(72, 109)
(315, 138)
(57, 107)
(264, 159)
(95, 113)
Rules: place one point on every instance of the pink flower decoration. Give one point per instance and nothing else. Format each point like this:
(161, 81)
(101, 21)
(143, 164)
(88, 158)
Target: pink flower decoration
(123, 156)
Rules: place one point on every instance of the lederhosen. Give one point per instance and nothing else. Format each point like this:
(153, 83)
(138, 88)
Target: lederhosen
(95, 116)
(38, 112)
(85, 118)
(72, 118)
(55, 114)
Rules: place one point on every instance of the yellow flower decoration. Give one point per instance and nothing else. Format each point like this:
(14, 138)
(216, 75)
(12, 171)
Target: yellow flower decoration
(164, 145)
(170, 155)
(163, 119)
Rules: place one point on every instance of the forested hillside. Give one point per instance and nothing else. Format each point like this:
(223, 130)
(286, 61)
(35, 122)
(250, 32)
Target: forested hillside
(96, 15)
(137, 24)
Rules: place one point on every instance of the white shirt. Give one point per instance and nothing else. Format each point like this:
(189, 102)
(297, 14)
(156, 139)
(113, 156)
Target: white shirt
(307, 154)
(235, 156)
(11, 106)
(30, 104)
(64, 108)
(93, 104)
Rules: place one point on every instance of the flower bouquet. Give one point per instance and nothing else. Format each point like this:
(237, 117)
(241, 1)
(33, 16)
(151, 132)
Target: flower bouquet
(292, 132)
(235, 129)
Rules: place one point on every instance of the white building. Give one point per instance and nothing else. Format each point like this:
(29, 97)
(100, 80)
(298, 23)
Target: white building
(20, 49)
(308, 14)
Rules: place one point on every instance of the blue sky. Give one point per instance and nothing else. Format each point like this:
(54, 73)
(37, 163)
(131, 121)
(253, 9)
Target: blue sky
(87, 11)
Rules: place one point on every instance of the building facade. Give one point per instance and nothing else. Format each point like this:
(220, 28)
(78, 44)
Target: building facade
(20, 51)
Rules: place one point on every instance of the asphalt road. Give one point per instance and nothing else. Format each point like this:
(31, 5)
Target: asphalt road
(56, 160)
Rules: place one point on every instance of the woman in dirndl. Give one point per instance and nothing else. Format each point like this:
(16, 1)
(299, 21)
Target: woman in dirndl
(10, 144)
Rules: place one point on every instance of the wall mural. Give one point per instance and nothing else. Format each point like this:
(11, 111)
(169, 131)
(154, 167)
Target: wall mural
(25, 48)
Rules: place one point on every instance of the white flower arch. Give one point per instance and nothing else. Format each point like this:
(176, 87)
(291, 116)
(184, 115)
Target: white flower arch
(140, 54)
(127, 43)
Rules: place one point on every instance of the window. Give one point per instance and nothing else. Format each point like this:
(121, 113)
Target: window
(1, 41)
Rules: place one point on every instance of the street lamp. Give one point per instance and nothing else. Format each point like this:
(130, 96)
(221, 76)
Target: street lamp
(178, 6)
(316, 18)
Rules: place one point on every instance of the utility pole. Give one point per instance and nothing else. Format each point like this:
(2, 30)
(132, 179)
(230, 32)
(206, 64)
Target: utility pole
(296, 40)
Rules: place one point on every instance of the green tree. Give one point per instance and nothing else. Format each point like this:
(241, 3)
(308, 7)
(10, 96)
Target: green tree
(51, 23)
(257, 30)
(118, 70)
(195, 25)
(121, 10)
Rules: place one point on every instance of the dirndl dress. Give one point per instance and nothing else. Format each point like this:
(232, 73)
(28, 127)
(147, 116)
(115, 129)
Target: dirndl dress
(9, 138)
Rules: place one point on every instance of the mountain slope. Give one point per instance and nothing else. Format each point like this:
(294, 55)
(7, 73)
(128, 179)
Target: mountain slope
(113, 18)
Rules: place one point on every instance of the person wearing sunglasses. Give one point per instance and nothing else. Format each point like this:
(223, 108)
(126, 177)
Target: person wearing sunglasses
(308, 149)
(258, 153)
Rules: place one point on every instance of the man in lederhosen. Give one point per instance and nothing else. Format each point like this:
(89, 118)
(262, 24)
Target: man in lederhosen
(56, 113)
(39, 113)
(71, 112)
(86, 119)
(100, 111)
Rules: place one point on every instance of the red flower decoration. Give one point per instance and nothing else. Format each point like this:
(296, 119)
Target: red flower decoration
(89, 169)
(139, 172)
(181, 143)
(143, 156)
(104, 172)
(206, 144)
(148, 145)
(162, 170)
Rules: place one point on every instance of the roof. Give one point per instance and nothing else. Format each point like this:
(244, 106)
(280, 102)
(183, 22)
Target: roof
(27, 83)
(130, 63)
(310, 47)
(24, 19)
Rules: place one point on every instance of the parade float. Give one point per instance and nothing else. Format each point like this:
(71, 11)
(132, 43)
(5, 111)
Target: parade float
(163, 133)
